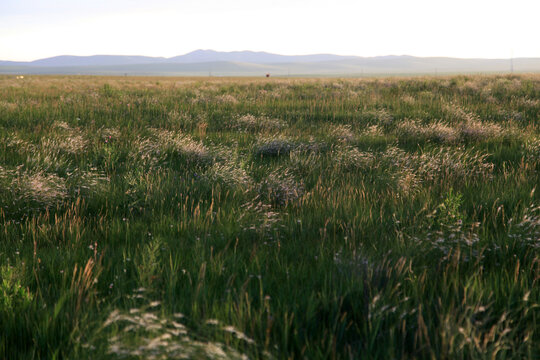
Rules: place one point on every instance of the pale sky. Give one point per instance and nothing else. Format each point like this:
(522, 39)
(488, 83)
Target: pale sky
(33, 29)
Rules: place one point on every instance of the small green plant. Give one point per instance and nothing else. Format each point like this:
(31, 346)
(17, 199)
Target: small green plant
(149, 262)
(13, 297)
(449, 210)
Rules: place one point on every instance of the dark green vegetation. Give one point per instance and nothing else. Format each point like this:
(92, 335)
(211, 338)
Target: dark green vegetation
(170, 218)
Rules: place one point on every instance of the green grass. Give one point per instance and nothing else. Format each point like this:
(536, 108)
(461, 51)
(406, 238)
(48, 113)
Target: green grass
(269, 218)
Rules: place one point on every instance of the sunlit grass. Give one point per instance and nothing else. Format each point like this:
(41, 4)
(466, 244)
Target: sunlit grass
(269, 218)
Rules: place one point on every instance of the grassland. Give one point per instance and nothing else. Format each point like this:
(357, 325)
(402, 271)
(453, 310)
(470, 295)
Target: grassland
(269, 218)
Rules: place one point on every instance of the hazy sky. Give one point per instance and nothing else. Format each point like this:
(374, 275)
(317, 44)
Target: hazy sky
(32, 29)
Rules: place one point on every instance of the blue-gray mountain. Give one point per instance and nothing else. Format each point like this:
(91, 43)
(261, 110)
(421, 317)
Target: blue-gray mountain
(250, 63)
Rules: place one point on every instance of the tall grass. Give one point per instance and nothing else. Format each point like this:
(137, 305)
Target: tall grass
(269, 218)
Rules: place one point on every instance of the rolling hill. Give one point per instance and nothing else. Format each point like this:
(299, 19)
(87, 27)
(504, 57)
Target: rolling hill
(250, 63)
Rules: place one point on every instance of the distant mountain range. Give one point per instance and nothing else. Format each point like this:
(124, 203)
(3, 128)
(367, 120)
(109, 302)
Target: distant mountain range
(250, 63)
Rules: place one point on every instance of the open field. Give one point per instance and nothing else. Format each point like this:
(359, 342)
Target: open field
(216, 218)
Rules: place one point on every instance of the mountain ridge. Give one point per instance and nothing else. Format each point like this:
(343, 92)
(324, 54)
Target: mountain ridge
(196, 56)
(249, 63)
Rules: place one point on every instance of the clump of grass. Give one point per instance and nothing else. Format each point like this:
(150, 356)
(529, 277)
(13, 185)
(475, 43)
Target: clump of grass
(349, 158)
(145, 332)
(226, 99)
(14, 143)
(109, 135)
(342, 133)
(252, 123)
(373, 130)
(183, 145)
(147, 152)
(53, 152)
(437, 132)
(458, 114)
(230, 174)
(475, 130)
(272, 147)
(384, 118)
(227, 168)
(440, 132)
(280, 188)
(259, 217)
(527, 231)
(34, 187)
(67, 139)
(89, 182)
(185, 120)
(75, 144)
(407, 181)
(454, 164)
(166, 146)
(470, 127)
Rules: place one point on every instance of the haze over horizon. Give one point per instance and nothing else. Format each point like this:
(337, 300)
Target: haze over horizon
(36, 29)
(256, 52)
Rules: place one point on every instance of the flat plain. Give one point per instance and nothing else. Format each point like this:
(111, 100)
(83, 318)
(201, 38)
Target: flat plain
(224, 218)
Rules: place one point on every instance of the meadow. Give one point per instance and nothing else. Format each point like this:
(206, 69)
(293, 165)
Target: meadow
(223, 218)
